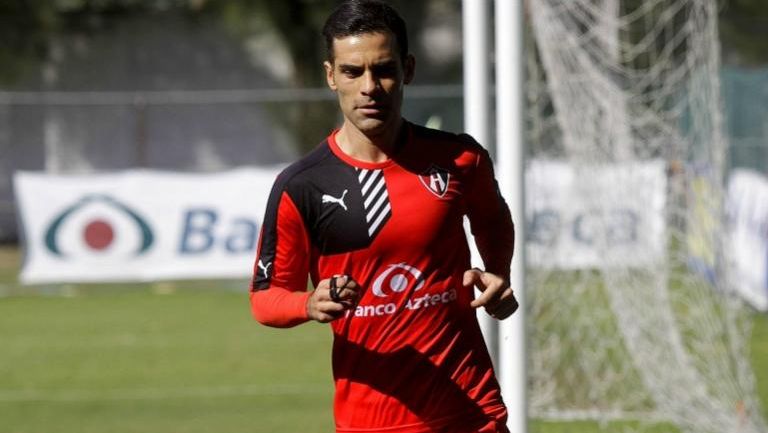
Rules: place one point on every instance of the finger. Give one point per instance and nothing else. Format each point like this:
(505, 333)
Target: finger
(322, 317)
(350, 284)
(334, 289)
(344, 280)
(489, 295)
(327, 317)
(330, 307)
(325, 311)
(348, 298)
(348, 291)
(337, 284)
(322, 294)
(339, 281)
(473, 276)
(323, 284)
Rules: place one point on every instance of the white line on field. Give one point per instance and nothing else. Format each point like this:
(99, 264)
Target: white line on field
(75, 395)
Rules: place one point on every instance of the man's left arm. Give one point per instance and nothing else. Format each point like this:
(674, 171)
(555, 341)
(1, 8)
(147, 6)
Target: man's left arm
(494, 233)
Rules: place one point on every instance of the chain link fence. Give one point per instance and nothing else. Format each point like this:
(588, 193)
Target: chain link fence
(201, 131)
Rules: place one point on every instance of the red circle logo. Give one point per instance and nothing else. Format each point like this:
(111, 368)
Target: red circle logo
(98, 235)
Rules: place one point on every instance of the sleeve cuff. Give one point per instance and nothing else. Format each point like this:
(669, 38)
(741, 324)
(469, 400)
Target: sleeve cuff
(278, 307)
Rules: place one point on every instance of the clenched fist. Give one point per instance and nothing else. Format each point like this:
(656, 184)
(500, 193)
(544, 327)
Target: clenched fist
(332, 297)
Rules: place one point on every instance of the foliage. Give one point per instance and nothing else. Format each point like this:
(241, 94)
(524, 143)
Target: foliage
(299, 26)
(744, 32)
(30, 29)
(24, 27)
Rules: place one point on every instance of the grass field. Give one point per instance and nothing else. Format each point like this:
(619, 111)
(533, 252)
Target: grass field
(181, 357)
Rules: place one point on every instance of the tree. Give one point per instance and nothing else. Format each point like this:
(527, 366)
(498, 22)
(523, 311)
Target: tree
(24, 30)
(30, 27)
(299, 25)
(744, 32)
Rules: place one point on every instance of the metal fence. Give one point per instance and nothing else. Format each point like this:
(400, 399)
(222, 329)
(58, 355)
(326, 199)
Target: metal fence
(83, 132)
(80, 132)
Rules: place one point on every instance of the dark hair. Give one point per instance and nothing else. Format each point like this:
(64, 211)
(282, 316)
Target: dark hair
(356, 17)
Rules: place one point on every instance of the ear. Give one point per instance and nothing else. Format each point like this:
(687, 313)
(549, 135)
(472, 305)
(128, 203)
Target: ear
(329, 78)
(409, 69)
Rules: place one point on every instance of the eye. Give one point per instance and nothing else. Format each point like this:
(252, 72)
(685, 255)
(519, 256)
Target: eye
(386, 70)
(351, 71)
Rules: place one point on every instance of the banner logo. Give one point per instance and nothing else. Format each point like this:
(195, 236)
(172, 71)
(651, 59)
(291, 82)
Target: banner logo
(98, 230)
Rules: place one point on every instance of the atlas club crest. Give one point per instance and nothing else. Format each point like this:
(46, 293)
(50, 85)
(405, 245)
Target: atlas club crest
(436, 179)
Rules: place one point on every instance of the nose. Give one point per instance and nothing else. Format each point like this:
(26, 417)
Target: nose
(370, 83)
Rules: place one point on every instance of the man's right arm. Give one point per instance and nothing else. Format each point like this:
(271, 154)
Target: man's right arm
(278, 287)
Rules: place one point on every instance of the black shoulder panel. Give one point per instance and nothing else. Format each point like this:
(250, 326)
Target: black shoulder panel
(343, 208)
(444, 136)
(268, 242)
(337, 214)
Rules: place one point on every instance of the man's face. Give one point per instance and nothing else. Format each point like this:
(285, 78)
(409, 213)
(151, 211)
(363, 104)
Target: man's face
(368, 76)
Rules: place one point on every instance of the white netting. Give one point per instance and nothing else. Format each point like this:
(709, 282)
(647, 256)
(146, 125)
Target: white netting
(630, 317)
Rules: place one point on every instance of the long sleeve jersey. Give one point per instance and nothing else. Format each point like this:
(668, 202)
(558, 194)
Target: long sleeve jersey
(410, 356)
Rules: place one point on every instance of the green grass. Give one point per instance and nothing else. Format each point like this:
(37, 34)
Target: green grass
(178, 357)
(759, 348)
(169, 357)
(136, 361)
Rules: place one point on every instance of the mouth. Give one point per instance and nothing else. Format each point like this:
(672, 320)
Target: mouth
(371, 109)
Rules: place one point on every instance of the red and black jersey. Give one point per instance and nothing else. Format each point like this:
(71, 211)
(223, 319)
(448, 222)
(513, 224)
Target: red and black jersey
(410, 357)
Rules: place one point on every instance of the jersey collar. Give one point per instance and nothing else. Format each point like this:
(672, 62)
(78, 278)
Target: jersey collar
(334, 146)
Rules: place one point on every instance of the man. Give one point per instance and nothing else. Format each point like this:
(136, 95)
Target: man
(374, 216)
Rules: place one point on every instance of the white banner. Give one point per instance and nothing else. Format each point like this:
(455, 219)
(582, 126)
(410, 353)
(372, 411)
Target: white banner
(150, 225)
(747, 210)
(595, 216)
(141, 225)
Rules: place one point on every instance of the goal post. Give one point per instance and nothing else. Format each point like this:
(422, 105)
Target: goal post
(510, 155)
(624, 176)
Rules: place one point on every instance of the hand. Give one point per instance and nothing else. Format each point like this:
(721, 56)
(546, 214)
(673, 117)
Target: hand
(497, 297)
(321, 306)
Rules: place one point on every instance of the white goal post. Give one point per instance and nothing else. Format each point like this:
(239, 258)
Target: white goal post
(629, 313)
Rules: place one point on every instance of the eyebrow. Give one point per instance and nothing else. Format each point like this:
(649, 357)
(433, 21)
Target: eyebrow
(351, 66)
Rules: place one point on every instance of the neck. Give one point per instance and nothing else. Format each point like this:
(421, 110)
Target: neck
(369, 148)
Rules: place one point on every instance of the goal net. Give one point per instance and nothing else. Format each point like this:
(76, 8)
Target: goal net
(631, 316)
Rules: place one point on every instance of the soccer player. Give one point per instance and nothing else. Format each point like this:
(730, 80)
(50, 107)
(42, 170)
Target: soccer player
(374, 216)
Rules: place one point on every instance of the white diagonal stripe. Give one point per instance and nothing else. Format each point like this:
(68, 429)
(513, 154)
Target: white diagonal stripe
(378, 221)
(373, 193)
(371, 179)
(373, 188)
(375, 207)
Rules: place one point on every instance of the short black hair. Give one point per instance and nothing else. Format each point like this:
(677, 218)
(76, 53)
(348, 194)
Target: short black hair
(356, 17)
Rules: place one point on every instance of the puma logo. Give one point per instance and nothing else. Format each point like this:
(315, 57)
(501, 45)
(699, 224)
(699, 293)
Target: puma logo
(264, 268)
(339, 201)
